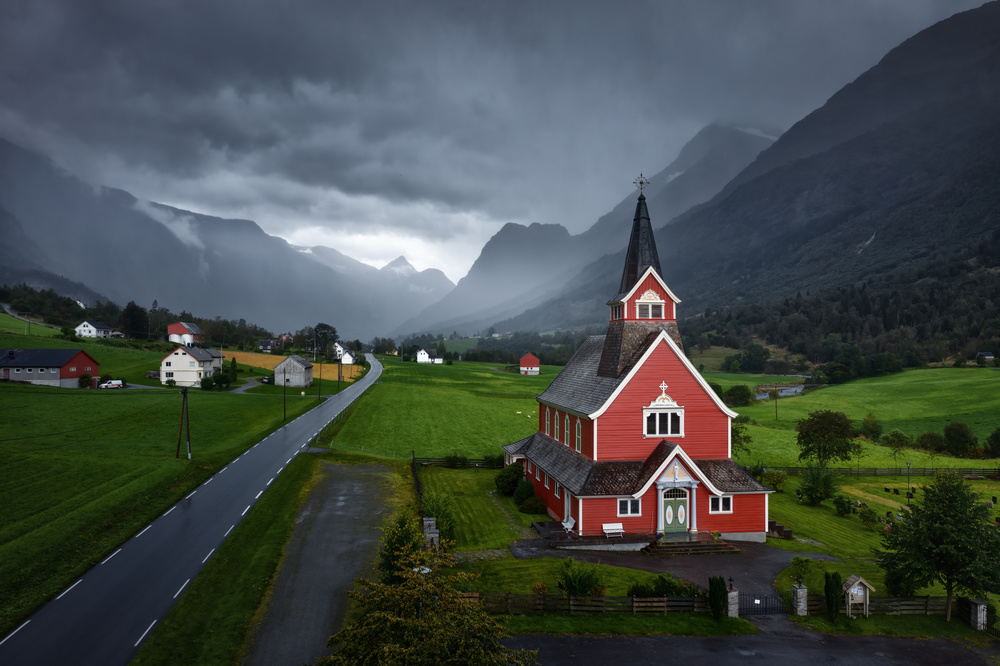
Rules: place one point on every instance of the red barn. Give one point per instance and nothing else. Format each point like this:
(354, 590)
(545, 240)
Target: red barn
(185, 333)
(530, 364)
(47, 367)
(629, 432)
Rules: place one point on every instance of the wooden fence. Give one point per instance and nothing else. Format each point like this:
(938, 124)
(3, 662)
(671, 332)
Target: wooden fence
(816, 604)
(518, 604)
(895, 471)
(461, 462)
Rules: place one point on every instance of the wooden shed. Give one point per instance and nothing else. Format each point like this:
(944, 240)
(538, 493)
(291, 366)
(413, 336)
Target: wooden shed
(856, 593)
(296, 370)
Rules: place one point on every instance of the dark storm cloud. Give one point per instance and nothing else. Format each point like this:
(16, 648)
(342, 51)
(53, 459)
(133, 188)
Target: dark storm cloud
(519, 111)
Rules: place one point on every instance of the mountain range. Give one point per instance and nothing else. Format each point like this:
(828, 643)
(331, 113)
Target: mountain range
(897, 171)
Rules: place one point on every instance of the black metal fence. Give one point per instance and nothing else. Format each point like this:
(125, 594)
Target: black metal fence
(765, 604)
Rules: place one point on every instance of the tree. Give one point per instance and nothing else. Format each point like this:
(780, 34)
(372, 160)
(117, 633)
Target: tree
(897, 441)
(739, 395)
(324, 335)
(871, 427)
(401, 537)
(959, 439)
(718, 596)
(818, 483)
(826, 436)
(423, 619)
(740, 435)
(135, 320)
(833, 590)
(945, 537)
(992, 444)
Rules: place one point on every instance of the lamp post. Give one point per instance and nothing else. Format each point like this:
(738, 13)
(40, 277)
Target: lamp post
(907, 484)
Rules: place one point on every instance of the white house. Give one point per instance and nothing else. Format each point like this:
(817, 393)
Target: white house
(346, 357)
(187, 365)
(185, 333)
(293, 372)
(423, 356)
(93, 329)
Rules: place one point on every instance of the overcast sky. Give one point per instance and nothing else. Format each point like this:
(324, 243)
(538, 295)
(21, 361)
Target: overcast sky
(415, 128)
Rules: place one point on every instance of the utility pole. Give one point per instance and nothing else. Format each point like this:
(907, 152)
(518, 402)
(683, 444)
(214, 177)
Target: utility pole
(185, 418)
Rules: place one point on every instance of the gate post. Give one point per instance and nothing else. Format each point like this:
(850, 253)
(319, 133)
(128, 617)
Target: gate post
(800, 605)
(977, 615)
(733, 603)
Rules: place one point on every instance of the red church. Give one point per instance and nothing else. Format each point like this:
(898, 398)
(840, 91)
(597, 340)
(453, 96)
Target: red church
(630, 436)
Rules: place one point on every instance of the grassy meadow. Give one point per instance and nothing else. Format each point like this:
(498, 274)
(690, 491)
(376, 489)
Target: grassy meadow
(434, 410)
(10, 324)
(84, 470)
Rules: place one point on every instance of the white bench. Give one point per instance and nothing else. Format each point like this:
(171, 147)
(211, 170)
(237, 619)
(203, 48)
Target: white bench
(613, 529)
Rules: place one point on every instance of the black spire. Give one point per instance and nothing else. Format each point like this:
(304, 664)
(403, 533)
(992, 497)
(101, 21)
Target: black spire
(641, 252)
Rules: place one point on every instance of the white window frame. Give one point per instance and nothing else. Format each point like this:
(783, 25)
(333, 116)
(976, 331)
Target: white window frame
(555, 427)
(717, 504)
(538, 474)
(556, 490)
(579, 435)
(650, 306)
(168, 375)
(566, 430)
(548, 430)
(616, 311)
(632, 506)
(545, 475)
(675, 411)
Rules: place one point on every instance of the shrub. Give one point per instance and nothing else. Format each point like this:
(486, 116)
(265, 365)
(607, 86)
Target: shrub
(775, 478)
(739, 395)
(401, 536)
(842, 505)
(508, 478)
(523, 491)
(931, 441)
(818, 483)
(664, 585)
(834, 591)
(533, 504)
(718, 596)
(493, 460)
(171, 383)
(207, 383)
(871, 427)
(757, 470)
(800, 566)
(991, 446)
(579, 579)
(456, 461)
(85, 380)
(868, 517)
(539, 588)
(959, 439)
(441, 507)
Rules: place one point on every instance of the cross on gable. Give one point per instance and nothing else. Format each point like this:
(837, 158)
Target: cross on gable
(663, 387)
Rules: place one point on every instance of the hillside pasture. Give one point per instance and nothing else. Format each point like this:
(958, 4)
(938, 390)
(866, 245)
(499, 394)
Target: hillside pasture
(434, 410)
(84, 470)
(10, 324)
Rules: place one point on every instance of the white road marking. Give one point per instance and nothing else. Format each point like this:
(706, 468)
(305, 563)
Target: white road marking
(279, 471)
(304, 445)
(208, 556)
(269, 482)
(191, 495)
(70, 587)
(224, 469)
(144, 634)
(245, 510)
(259, 494)
(209, 481)
(228, 531)
(117, 551)
(171, 509)
(288, 461)
(144, 530)
(182, 588)
(15, 631)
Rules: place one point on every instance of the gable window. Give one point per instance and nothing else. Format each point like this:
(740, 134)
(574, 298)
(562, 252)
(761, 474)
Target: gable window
(628, 506)
(649, 306)
(663, 417)
(720, 504)
(579, 436)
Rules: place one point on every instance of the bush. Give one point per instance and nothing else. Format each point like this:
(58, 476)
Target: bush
(739, 395)
(85, 380)
(931, 441)
(757, 471)
(523, 491)
(401, 536)
(718, 596)
(992, 444)
(800, 566)
(171, 383)
(775, 478)
(456, 461)
(579, 579)
(664, 585)
(818, 483)
(207, 383)
(533, 504)
(959, 439)
(842, 505)
(868, 517)
(508, 478)
(871, 427)
(441, 507)
(492, 460)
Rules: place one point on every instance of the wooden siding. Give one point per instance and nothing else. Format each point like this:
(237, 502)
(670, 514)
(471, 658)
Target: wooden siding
(669, 307)
(81, 361)
(749, 514)
(621, 427)
(600, 510)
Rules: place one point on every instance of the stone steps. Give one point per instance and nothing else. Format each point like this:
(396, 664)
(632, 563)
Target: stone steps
(677, 548)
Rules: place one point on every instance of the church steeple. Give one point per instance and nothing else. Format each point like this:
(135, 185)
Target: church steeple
(644, 305)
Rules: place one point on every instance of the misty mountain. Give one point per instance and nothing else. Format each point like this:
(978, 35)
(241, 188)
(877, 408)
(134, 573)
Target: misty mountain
(521, 267)
(128, 249)
(898, 171)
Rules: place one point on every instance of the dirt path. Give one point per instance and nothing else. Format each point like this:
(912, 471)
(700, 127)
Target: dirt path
(332, 544)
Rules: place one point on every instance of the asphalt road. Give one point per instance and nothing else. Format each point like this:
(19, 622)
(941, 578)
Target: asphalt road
(104, 617)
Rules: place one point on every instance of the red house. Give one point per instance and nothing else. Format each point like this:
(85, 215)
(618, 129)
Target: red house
(530, 364)
(630, 433)
(185, 333)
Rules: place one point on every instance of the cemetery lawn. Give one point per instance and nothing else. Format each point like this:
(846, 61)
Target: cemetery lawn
(85, 470)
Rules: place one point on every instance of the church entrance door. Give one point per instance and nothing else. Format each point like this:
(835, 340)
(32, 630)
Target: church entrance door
(675, 510)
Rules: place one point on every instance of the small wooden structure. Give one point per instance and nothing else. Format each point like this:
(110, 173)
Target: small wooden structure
(294, 372)
(856, 593)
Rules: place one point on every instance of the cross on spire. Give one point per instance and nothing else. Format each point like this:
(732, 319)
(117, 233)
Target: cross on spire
(640, 182)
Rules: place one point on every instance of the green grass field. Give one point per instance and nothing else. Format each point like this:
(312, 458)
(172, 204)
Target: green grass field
(10, 324)
(434, 410)
(84, 470)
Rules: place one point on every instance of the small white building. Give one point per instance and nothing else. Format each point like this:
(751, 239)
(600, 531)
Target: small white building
(187, 365)
(185, 333)
(93, 329)
(346, 357)
(293, 372)
(424, 356)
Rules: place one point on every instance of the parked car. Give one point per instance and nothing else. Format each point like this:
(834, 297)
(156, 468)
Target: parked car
(265, 380)
(112, 384)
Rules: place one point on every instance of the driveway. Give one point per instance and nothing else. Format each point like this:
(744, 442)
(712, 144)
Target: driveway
(752, 570)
